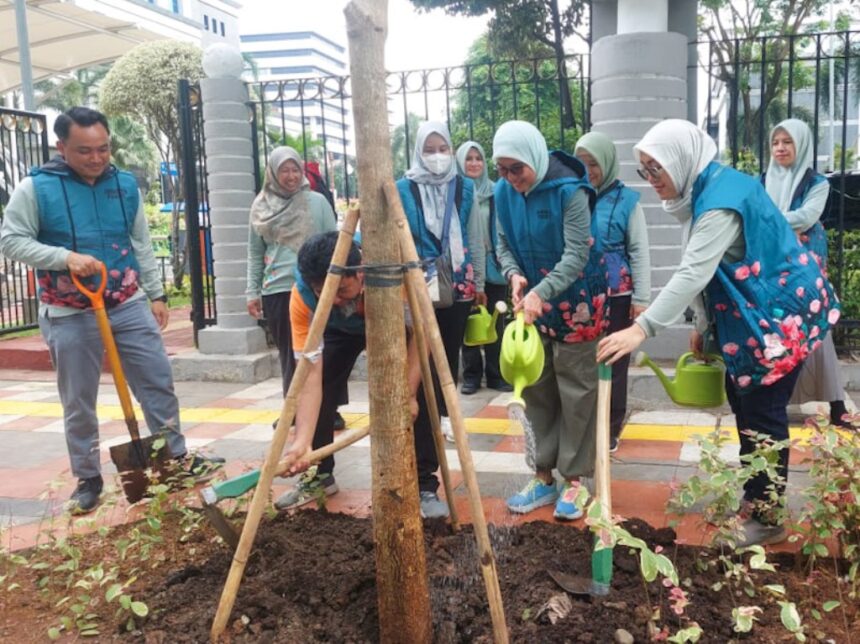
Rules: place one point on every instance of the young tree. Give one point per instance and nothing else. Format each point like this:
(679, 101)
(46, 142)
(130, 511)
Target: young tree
(524, 28)
(142, 84)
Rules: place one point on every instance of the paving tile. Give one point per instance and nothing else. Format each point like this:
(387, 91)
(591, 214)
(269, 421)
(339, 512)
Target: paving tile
(512, 444)
(257, 433)
(9, 419)
(24, 449)
(26, 423)
(642, 450)
(265, 389)
(492, 411)
(211, 430)
(233, 449)
(52, 427)
(231, 402)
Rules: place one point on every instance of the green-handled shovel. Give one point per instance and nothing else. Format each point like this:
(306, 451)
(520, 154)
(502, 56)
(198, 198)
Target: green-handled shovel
(601, 559)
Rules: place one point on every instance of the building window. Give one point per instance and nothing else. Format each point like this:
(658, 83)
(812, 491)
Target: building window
(222, 27)
(214, 26)
(177, 7)
(206, 23)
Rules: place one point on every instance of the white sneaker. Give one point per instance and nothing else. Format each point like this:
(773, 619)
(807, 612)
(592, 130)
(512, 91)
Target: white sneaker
(447, 429)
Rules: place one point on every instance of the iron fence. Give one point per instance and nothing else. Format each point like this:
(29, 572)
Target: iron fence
(752, 84)
(198, 230)
(314, 114)
(23, 145)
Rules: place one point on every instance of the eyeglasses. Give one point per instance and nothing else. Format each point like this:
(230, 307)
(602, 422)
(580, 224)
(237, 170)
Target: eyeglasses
(649, 172)
(515, 169)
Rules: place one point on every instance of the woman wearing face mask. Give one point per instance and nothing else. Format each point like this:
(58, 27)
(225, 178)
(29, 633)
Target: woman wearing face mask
(622, 237)
(558, 280)
(801, 194)
(471, 163)
(283, 216)
(441, 209)
(758, 294)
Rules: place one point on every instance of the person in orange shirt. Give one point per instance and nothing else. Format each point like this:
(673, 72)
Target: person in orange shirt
(332, 363)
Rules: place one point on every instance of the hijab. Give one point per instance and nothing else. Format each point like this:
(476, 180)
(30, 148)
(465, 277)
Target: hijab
(483, 185)
(601, 147)
(682, 150)
(433, 189)
(523, 142)
(278, 216)
(781, 183)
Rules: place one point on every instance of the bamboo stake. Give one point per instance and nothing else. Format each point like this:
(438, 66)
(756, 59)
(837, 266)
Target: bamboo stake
(276, 449)
(415, 279)
(430, 398)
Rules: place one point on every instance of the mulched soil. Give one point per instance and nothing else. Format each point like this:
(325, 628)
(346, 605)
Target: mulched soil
(311, 578)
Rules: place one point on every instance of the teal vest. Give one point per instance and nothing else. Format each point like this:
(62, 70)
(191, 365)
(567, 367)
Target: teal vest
(611, 218)
(814, 238)
(774, 307)
(352, 324)
(463, 278)
(534, 232)
(92, 220)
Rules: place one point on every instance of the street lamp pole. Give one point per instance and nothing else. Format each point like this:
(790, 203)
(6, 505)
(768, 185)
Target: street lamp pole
(24, 54)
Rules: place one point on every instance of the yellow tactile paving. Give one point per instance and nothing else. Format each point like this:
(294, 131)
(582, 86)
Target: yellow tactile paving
(494, 426)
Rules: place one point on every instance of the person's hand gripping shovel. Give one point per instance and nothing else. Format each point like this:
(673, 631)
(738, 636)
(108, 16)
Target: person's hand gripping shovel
(131, 459)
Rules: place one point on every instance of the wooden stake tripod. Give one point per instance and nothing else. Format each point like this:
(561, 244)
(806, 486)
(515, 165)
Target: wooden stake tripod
(424, 324)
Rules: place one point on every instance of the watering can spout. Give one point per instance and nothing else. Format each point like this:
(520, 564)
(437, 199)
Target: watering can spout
(669, 385)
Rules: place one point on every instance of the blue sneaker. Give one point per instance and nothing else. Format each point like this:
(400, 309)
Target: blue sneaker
(534, 495)
(566, 508)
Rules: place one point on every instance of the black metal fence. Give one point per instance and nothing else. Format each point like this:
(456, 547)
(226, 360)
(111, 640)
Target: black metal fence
(23, 145)
(198, 229)
(755, 83)
(314, 114)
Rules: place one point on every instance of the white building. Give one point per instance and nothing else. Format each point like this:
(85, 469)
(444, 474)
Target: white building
(290, 67)
(65, 35)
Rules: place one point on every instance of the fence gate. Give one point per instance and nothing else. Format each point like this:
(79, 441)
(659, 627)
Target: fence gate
(23, 145)
(198, 237)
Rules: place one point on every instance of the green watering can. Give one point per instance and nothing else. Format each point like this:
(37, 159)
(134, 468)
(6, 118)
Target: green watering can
(481, 326)
(696, 384)
(521, 357)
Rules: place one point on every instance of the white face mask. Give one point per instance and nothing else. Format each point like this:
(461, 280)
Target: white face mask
(437, 163)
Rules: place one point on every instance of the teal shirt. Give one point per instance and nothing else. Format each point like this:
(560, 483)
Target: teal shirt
(271, 267)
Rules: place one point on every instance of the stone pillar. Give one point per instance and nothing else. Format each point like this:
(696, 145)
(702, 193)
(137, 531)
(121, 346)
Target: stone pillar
(234, 350)
(638, 79)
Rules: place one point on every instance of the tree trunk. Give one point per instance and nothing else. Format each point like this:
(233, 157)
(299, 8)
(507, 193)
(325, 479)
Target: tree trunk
(568, 119)
(401, 576)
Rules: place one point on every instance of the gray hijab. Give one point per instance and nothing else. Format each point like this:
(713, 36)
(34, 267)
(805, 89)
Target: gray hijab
(602, 149)
(278, 216)
(781, 182)
(434, 190)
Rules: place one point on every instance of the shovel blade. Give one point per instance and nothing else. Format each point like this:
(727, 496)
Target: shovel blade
(574, 584)
(139, 454)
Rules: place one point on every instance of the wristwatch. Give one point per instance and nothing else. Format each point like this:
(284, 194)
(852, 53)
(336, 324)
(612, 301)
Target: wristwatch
(162, 298)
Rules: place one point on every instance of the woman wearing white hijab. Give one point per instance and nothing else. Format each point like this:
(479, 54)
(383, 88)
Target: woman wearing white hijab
(801, 194)
(472, 163)
(766, 304)
(283, 216)
(622, 236)
(441, 209)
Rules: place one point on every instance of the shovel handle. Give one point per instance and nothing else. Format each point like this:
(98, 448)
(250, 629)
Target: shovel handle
(95, 297)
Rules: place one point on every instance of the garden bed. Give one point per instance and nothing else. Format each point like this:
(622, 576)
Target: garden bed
(311, 578)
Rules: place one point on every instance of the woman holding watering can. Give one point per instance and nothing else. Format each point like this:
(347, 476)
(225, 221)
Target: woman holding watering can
(471, 163)
(546, 249)
(758, 295)
(622, 237)
(801, 194)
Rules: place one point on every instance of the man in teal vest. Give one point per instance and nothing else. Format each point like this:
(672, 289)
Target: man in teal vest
(69, 216)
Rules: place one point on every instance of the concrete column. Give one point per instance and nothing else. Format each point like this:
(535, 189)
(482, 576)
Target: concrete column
(235, 349)
(638, 79)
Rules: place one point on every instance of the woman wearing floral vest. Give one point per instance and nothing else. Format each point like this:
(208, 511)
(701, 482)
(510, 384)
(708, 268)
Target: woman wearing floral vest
(558, 280)
(758, 295)
(801, 194)
(622, 237)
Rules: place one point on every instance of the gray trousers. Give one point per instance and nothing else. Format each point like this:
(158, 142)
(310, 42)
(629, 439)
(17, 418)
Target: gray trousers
(77, 352)
(562, 408)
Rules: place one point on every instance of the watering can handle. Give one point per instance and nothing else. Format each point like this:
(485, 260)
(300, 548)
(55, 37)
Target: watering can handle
(96, 297)
(521, 326)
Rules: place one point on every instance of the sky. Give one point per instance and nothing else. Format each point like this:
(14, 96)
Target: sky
(415, 40)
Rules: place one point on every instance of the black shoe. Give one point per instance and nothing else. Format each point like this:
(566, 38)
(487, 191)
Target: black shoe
(85, 498)
(837, 411)
(613, 444)
(339, 422)
(501, 386)
(468, 388)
